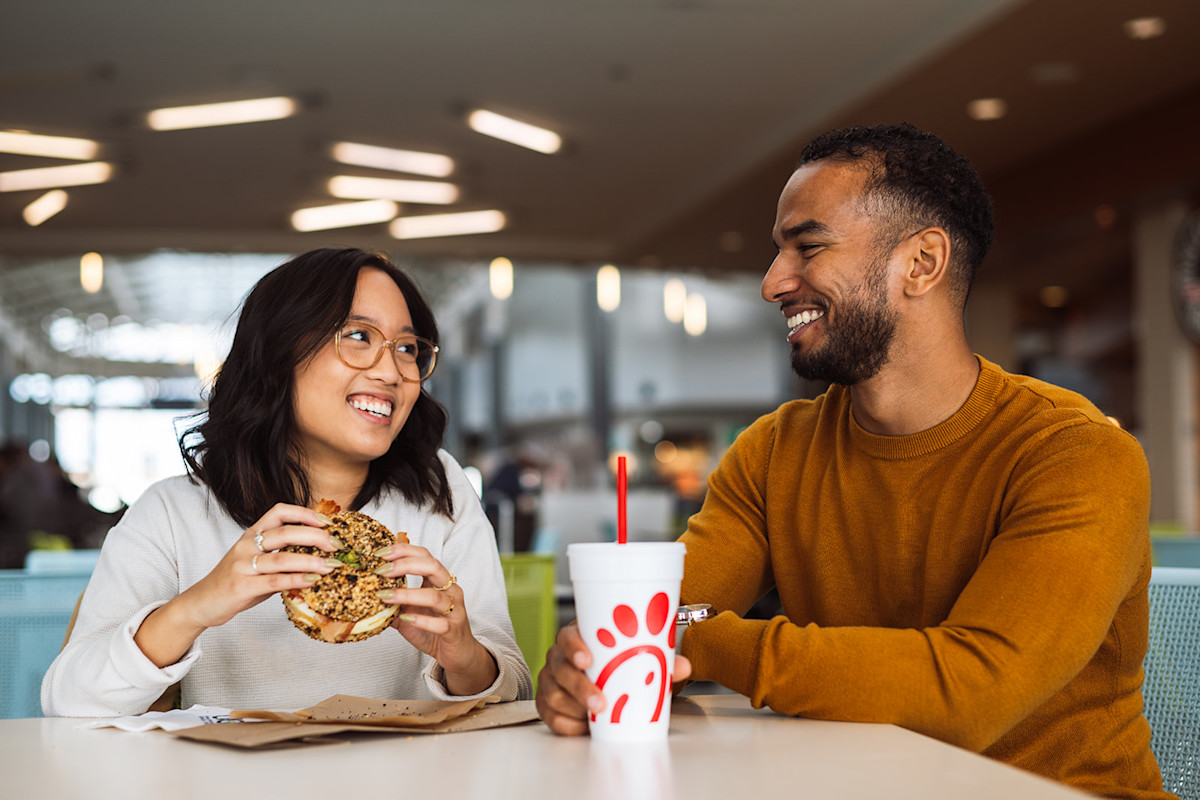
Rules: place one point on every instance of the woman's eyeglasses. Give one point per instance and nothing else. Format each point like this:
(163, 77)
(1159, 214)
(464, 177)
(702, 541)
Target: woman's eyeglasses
(360, 346)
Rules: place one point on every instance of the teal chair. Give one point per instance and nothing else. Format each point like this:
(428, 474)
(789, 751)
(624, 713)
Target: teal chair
(35, 610)
(1179, 551)
(1172, 687)
(62, 562)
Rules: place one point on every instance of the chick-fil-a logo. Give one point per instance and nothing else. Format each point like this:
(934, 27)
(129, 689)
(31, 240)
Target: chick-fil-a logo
(625, 620)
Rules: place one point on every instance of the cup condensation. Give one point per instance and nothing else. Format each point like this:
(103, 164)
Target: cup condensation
(625, 601)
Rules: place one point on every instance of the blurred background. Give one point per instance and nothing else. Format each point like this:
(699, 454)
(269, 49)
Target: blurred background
(597, 284)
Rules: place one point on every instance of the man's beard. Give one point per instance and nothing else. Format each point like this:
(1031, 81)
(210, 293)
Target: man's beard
(858, 341)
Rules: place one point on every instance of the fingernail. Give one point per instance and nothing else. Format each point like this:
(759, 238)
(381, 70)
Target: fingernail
(408, 617)
(580, 661)
(324, 519)
(333, 562)
(387, 594)
(337, 543)
(311, 577)
(595, 704)
(383, 569)
(383, 552)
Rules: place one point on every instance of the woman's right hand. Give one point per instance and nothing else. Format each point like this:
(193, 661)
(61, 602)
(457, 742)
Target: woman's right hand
(244, 577)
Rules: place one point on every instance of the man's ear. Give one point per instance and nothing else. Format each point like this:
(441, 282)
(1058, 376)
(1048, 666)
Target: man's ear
(927, 261)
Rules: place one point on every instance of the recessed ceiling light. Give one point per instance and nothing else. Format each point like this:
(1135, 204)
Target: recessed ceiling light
(33, 144)
(608, 288)
(344, 215)
(45, 207)
(91, 272)
(674, 300)
(261, 109)
(732, 241)
(1145, 27)
(349, 187)
(500, 278)
(418, 163)
(514, 131)
(459, 224)
(1054, 296)
(695, 314)
(54, 177)
(987, 108)
(1054, 73)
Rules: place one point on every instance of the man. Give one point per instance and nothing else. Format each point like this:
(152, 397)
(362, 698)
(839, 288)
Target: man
(957, 550)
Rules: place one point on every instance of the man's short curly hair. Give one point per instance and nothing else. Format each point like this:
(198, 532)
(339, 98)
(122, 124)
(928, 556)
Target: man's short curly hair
(916, 180)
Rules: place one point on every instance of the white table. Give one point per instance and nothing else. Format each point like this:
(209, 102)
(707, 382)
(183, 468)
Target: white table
(719, 747)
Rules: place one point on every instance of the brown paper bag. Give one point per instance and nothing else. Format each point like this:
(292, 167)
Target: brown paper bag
(346, 713)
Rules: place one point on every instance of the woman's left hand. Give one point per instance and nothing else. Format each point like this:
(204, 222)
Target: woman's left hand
(434, 619)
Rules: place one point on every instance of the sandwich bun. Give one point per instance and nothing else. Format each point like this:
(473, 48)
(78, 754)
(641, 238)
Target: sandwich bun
(342, 606)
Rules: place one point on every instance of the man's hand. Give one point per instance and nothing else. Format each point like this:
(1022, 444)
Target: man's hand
(565, 695)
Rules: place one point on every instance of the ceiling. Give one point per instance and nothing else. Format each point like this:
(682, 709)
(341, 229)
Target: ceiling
(682, 118)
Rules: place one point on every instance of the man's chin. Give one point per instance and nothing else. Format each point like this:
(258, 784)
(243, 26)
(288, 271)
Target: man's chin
(816, 369)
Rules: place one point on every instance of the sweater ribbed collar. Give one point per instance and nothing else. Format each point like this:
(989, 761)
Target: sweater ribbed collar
(977, 407)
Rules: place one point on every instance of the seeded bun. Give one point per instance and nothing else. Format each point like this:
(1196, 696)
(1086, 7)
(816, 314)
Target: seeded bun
(342, 606)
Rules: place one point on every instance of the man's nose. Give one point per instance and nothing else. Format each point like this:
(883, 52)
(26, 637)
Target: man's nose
(781, 279)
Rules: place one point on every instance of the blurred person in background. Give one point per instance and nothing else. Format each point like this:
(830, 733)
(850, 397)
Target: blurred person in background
(511, 493)
(321, 397)
(41, 508)
(957, 550)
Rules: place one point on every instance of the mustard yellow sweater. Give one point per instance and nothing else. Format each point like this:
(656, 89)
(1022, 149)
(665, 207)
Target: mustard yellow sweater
(982, 582)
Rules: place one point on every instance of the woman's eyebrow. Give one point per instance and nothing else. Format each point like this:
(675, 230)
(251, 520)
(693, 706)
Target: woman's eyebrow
(373, 321)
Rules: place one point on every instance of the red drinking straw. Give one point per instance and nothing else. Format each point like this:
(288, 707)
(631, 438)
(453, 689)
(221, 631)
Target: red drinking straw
(621, 481)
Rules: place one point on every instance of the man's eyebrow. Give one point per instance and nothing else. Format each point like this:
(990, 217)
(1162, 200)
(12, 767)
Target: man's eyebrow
(803, 228)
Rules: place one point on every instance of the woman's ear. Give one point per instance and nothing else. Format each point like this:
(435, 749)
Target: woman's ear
(927, 258)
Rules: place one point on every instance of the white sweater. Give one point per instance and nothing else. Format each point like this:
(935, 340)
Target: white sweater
(174, 535)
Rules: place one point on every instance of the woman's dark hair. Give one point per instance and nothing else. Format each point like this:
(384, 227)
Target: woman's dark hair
(244, 447)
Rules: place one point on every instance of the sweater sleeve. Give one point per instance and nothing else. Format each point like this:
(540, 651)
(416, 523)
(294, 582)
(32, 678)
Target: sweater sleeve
(102, 671)
(1069, 549)
(469, 552)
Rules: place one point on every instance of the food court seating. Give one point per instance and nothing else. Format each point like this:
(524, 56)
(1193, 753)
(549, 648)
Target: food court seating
(529, 580)
(1176, 551)
(1172, 687)
(34, 611)
(74, 562)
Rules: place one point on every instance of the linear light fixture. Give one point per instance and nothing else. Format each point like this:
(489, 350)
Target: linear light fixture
(45, 207)
(236, 112)
(514, 131)
(53, 177)
(349, 187)
(344, 215)
(457, 224)
(35, 144)
(418, 163)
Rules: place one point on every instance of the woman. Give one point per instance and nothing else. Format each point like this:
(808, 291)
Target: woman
(306, 407)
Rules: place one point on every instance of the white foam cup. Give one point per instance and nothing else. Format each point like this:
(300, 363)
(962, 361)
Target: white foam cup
(626, 596)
